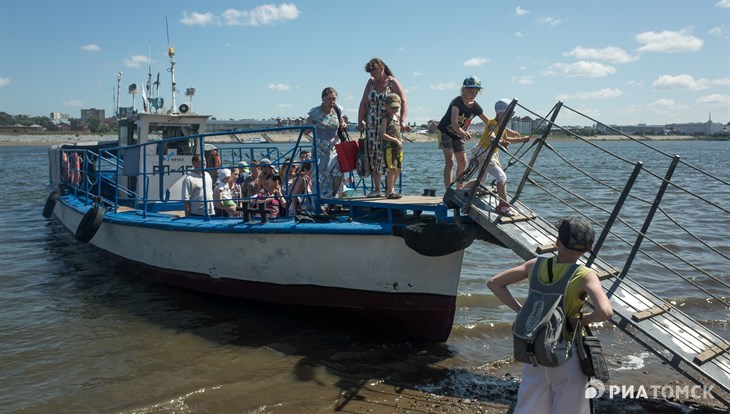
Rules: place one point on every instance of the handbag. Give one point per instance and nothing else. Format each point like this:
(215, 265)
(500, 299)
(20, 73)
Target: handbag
(347, 155)
(347, 149)
(590, 354)
(361, 164)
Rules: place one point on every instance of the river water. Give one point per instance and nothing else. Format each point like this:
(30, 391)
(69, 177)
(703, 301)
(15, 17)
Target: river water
(80, 332)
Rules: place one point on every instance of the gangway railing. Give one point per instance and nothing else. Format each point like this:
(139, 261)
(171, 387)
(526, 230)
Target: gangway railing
(673, 336)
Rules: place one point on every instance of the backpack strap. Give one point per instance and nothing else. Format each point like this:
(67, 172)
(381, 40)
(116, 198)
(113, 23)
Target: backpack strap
(550, 269)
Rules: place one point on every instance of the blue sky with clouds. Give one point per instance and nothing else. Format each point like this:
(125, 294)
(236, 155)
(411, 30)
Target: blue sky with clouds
(620, 61)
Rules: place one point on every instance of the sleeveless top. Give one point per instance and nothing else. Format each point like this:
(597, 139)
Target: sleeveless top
(573, 303)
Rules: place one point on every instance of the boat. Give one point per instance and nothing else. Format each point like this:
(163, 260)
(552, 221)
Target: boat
(391, 264)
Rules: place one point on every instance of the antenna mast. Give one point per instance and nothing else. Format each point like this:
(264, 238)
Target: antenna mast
(119, 82)
(171, 53)
(149, 70)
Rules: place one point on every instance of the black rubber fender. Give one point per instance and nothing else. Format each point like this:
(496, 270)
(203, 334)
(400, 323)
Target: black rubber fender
(90, 223)
(50, 204)
(436, 239)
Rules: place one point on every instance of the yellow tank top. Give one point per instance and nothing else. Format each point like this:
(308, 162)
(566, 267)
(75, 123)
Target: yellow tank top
(573, 303)
(491, 128)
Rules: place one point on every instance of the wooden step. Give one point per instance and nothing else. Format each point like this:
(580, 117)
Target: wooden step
(650, 313)
(711, 352)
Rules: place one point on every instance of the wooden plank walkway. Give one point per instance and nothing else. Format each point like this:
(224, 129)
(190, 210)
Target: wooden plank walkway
(661, 328)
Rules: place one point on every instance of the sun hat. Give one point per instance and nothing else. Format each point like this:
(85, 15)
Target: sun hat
(224, 173)
(393, 100)
(243, 165)
(501, 106)
(473, 82)
(576, 233)
(265, 161)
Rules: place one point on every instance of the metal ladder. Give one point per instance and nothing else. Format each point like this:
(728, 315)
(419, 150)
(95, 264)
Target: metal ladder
(636, 309)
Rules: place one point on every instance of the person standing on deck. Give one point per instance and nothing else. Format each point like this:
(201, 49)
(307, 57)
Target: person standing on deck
(453, 128)
(192, 190)
(393, 148)
(326, 120)
(371, 111)
(559, 389)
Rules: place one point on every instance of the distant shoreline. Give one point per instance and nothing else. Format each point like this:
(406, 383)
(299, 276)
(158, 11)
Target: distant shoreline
(283, 137)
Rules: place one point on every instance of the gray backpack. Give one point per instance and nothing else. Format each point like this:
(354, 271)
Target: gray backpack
(539, 328)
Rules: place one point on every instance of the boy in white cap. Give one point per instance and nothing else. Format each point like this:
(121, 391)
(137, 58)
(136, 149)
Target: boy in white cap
(559, 389)
(225, 196)
(494, 168)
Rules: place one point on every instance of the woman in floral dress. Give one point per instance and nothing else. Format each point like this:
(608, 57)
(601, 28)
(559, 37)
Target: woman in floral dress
(372, 108)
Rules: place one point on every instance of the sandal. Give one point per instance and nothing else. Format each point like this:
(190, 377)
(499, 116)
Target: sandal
(393, 196)
(373, 194)
(505, 210)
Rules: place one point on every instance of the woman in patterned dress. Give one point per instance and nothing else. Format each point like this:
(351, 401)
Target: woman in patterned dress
(324, 118)
(372, 108)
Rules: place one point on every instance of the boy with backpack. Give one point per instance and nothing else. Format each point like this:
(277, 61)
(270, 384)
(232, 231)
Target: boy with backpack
(552, 380)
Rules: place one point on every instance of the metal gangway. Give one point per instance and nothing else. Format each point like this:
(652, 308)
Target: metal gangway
(662, 328)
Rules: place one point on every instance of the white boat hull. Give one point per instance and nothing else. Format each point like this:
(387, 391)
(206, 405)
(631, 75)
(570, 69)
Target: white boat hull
(375, 276)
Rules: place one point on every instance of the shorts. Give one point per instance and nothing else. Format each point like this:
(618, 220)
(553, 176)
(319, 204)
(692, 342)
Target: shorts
(448, 142)
(494, 168)
(393, 158)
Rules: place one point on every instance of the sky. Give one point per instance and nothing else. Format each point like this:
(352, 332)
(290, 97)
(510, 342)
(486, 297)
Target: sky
(620, 62)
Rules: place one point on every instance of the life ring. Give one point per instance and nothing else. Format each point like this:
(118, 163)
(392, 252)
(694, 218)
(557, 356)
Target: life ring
(50, 204)
(436, 239)
(90, 223)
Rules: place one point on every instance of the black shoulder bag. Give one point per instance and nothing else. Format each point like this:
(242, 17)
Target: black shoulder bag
(590, 353)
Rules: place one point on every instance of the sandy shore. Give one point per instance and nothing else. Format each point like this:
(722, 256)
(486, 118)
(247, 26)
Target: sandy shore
(492, 389)
(283, 137)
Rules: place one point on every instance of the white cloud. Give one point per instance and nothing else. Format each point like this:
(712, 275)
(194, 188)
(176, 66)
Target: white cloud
(716, 100)
(476, 61)
(261, 15)
(609, 54)
(636, 84)
(525, 80)
(91, 48)
(519, 11)
(721, 82)
(668, 82)
(717, 31)
(582, 68)
(664, 107)
(284, 105)
(448, 86)
(605, 93)
(135, 61)
(551, 21)
(519, 34)
(73, 102)
(417, 73)
(4, 82)
(197, 19)
(669, 42)
(279, 87)
(723, 3)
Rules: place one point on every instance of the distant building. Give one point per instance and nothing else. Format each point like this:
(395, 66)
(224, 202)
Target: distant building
(60, 115)
(60, 125)
(92, 113)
